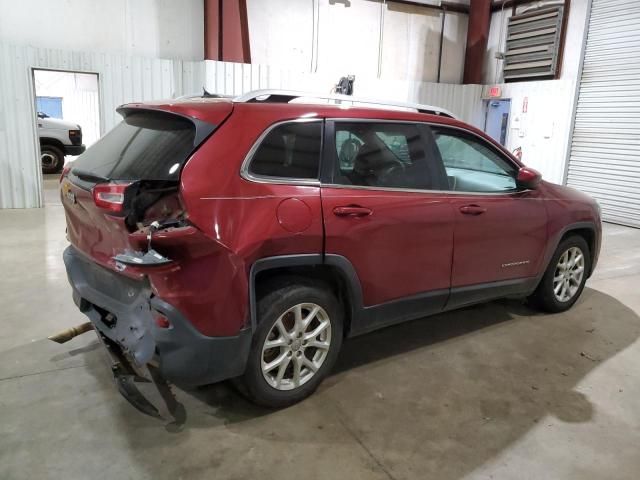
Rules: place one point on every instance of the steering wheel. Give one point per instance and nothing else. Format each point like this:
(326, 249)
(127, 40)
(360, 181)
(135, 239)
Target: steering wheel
(396, 166)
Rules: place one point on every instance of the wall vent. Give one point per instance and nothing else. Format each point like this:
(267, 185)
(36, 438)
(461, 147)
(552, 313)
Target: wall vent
(533, 45)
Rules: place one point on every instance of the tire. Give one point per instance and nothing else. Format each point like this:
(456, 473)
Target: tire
(545, 296)
(51, 158)
(277, 310)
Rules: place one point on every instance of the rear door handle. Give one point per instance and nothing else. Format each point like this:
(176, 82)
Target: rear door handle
(472, 209)
(352, 211)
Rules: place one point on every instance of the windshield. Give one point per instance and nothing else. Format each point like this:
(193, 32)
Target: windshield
(146, 145)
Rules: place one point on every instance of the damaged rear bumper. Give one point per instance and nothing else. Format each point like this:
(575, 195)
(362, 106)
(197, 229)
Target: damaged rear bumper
(121, 310)
(142, 388)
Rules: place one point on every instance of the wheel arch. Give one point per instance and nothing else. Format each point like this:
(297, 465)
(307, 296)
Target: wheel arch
(334, 270)
(586, 230)
(53, 142)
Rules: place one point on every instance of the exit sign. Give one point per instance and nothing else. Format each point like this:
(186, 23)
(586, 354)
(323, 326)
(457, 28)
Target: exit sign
(495, 92)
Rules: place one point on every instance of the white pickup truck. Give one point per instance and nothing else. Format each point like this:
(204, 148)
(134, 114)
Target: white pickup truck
(57, 139)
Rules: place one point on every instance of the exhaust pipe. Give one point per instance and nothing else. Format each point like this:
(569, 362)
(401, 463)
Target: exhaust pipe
(70, 333)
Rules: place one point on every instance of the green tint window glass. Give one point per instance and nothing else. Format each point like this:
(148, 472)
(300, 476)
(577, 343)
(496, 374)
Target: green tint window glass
(472, 165)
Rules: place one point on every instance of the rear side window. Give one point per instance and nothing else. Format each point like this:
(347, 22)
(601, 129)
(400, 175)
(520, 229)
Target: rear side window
(144, 146)
(290, 150)
(381, 155)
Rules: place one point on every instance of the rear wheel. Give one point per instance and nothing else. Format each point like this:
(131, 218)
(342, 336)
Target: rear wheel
(295, 345)
(565, 277)
(52, 159)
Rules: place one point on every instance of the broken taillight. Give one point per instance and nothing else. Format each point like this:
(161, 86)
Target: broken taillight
(160, 320)
(110, 196)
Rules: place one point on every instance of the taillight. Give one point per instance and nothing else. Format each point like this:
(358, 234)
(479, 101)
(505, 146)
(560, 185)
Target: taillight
(110, 196)
(161, 320)
(65, 171)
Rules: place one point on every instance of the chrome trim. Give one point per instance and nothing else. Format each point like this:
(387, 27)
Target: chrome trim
(245, 174)
(244, 169)
(431, 124)
(413, 190)
(416, 190)
(292, 95)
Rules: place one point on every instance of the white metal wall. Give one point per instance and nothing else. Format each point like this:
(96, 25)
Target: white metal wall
(384, 39)
(235, 79)
(125, 79)
(122, 79)
(540, 123)
(605, 149)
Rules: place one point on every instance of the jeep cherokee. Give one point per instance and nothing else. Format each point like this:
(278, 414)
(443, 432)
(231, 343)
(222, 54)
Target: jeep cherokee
(245, 238)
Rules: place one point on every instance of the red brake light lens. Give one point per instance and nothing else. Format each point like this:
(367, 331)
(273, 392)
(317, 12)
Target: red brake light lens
(161, 320)
(110, 196)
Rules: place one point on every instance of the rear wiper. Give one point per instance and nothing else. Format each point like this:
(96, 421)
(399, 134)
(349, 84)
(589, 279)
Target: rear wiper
(84, 175)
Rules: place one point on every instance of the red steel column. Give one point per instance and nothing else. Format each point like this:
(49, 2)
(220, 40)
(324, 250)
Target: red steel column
(212, 50)
(477, 35)
(226, 31)
(235, 31)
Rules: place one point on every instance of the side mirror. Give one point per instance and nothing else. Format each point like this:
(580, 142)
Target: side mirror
(528, 178)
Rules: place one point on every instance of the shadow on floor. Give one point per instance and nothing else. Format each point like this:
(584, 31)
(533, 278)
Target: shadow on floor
(441, 395)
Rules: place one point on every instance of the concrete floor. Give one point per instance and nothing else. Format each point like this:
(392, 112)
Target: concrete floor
(495, 391)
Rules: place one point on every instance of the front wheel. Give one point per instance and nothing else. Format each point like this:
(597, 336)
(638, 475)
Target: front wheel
(51, 158)
(564, 279)
(295, 345)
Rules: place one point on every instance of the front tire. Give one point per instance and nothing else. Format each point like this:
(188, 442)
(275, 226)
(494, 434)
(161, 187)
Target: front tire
(565, 277)
(51, 158)
(296, 343)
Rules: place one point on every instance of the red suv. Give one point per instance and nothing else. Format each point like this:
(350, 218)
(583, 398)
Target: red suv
(218, 238)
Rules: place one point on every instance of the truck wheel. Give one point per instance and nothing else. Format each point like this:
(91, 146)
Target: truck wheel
(295, 345)
(52, 159)
(564, 279)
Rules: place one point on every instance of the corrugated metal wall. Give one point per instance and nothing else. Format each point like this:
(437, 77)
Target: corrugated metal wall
(125, 79)
(122, 79)
(20, 179)
(540, 122)
(235, 79)
(605, 148)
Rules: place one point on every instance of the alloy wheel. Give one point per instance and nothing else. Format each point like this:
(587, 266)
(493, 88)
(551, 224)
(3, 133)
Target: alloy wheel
(48, 160)
(296, 346)
(568, 275)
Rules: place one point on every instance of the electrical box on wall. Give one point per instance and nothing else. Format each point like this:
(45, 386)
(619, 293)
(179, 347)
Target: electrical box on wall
(533, 44)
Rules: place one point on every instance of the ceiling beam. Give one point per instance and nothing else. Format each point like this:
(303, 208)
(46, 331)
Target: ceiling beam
(498, 4)
(444, 5)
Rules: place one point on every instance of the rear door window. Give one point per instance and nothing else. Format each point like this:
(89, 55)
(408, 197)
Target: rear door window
(144, 146)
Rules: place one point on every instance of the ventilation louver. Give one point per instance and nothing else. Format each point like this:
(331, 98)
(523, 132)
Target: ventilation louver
(533, 41)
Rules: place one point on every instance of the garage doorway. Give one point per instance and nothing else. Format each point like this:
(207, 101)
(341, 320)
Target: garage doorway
(68, 116)
(497, 119)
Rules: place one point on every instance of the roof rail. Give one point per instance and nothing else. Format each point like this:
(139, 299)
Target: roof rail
(286, 96)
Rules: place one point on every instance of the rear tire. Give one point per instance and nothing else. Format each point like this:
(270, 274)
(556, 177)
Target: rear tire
(295, 345)
(565, 277)
(51, 158)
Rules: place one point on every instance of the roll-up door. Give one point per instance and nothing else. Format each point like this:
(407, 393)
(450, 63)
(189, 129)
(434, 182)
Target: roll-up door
(605, 148)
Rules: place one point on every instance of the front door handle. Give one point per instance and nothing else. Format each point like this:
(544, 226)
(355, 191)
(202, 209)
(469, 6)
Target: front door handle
(472, 209)
(352, 211)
